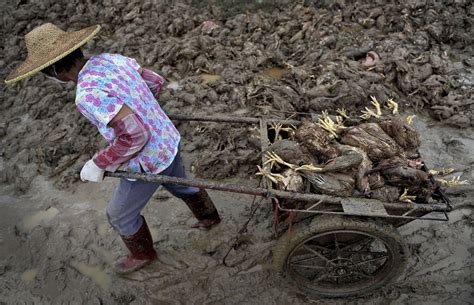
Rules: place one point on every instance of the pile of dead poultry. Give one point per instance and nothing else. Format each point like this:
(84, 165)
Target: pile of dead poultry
(374, 155)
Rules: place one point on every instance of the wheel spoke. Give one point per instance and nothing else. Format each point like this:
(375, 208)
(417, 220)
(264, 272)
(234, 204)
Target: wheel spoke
(319, 247)
(304, 259)
(320, 277)
(336, 246)
(366, 252)
(308, 266)
(317, 254)
(366, 243)
(370, 260)
(363, 274)
(363, 243)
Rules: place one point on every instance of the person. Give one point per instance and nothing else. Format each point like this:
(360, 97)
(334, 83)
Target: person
(118, 96)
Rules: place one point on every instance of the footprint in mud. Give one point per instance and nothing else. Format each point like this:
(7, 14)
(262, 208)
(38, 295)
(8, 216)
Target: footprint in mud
(29, 275)
(94, 273)
(42, 216)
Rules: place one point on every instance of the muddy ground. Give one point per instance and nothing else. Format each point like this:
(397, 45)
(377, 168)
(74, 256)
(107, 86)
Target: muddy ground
(254, 59)
(57, 246)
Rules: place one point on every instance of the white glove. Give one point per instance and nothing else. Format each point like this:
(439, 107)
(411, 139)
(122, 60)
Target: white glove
(91, 172)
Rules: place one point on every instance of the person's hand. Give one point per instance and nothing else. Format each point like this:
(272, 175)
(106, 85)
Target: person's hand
(91, 172)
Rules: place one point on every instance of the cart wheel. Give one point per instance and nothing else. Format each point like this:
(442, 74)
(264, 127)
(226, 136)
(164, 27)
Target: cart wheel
(341, 256)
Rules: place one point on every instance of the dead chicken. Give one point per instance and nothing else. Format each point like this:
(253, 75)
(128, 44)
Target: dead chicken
(404, 176)
(275, 160)
(405, 197)
(386, 193)
(292, 152)
(344, 159)
(335, 184)
(376, 180)
(362, 180)
(278, 129)
(351, 161)
(442, 171)
(393, 106)
(405, 135)
(371, 139)
(396, 161)
(331, 126)
(409, 119)
(376, 112)
(343, 112)
(406, 173)
(289, 180)
(267, 173)
(454, 181)
(417, 182)
(348, 158)
(292, 181)
(316, 140)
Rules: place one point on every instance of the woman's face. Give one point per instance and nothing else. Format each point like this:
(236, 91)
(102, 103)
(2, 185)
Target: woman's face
(50, 72)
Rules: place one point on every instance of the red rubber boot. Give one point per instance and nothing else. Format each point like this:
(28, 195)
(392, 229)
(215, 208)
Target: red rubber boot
(141, 250)
(203, 209)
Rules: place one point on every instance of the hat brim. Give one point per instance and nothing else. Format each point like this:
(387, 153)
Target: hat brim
(73, 41)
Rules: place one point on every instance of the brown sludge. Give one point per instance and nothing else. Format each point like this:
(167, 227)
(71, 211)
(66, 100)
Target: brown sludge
(288, 56)
(424, 61)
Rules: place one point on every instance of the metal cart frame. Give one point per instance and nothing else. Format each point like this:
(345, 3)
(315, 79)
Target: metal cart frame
(360, 210)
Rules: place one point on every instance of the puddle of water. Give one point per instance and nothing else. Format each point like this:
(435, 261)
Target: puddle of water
(103, 229)
(275, 72)
(42, 216)
(209, 78)
(94, 273)
(29, 275)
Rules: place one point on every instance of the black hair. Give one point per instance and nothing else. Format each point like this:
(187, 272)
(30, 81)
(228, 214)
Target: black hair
(66, 63)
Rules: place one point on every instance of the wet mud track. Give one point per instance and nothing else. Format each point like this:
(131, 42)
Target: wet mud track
(55, 244)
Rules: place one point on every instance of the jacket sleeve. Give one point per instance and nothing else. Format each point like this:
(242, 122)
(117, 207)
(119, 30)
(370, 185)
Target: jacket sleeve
(131, 136)
(153, 80)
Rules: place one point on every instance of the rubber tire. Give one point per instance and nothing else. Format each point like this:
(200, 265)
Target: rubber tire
(325, 223)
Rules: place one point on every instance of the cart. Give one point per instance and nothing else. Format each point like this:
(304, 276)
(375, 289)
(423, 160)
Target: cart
(333, 246)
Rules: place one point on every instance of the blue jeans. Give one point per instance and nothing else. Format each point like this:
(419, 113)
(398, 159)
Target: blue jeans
(130, 197)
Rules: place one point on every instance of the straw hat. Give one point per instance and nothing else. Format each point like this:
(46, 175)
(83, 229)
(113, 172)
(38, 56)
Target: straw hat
(46, 45)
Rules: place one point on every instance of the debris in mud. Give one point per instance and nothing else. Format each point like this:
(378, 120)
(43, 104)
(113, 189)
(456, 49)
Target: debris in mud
(303, 57)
